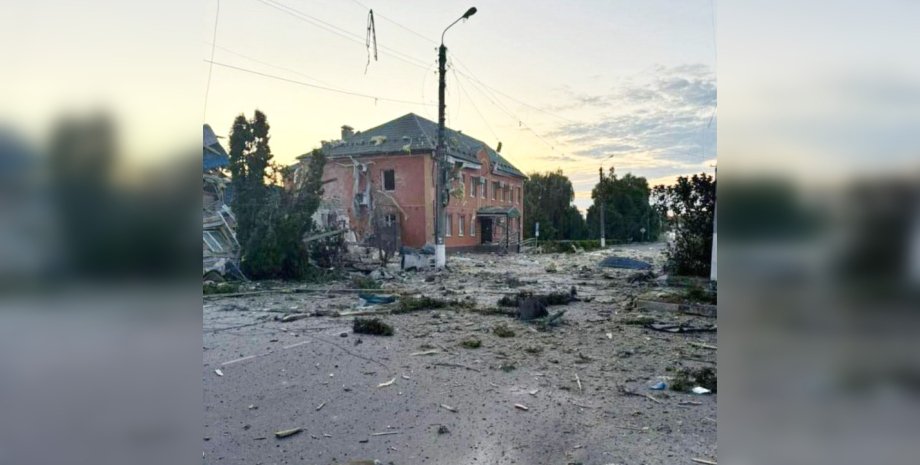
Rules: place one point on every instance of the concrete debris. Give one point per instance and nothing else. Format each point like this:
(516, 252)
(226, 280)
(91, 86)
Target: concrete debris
(220, 248)
(287, 433)
(681, 328)
(448, 407)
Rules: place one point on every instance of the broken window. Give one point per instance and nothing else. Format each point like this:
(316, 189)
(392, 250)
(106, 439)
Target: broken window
(212, 242)
(389, 180)
(448, 224)
(473, 186)
(389, 219)
(495, 190)
(473, 225)
(485, 186)
(461, 224)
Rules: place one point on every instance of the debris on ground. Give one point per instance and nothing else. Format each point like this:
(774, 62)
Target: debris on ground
(211, 287)
(471, 343)
(287, 433)
(218, 372)
(629, 392)
(292, 317)
(373, 326)
(376, 299)
(687, 378)
(531, 309)
(503, 330)
(448, 407)
(521, 407)
(681, 328)
(639, 320)
(553, 298)
(660, 386)
(625, 263)
(443, 430)
(385, 384)
(700, 390)
(364, 282)
(604, 341)
(641, 277)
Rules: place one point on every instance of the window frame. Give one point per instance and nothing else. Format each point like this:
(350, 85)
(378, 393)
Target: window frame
(384, 175)
(461, 224)
(472, 225)
(448, 224)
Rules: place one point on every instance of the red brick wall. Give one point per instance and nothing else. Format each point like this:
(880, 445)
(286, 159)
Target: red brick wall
(468, 206)
(414, 194)
(410, 194)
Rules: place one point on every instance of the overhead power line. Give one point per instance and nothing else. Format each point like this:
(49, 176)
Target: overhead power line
(473, 103)
(207, 89)
(468, 73)
(295, 13)
(307, 84)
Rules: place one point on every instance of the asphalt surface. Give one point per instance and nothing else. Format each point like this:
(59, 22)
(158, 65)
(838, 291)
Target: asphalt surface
(304, 374)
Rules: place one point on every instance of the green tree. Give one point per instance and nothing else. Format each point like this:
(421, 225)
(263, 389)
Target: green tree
(271, 221)
(548, 200)
(628, 215)
(689, 204)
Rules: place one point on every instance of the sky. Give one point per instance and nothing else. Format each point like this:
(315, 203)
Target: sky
(572, 86)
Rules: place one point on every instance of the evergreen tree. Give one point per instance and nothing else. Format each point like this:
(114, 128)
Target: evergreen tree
(271, 221)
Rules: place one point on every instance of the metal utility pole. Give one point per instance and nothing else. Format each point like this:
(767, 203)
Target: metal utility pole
(442, 194)
(601, 201)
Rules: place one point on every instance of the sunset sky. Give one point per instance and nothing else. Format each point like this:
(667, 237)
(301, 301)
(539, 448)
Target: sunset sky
(623, 83)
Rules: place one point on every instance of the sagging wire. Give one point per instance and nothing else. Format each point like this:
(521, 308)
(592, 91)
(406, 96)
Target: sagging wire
(371, 37)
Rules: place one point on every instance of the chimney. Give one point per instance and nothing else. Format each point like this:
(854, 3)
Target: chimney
(499, 149)
(347, 131)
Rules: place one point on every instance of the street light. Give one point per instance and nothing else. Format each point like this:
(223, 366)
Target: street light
(441, 190)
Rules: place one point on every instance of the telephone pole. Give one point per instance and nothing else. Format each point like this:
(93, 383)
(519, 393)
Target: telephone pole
(442, 190)
(601, 201)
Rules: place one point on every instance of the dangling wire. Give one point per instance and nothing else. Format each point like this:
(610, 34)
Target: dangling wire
(371, 36)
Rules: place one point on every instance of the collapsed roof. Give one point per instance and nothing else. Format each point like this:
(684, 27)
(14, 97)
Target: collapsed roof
(413, 134)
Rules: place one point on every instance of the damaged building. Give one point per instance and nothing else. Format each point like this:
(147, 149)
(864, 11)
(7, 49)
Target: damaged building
(220, 249)
(381, 182)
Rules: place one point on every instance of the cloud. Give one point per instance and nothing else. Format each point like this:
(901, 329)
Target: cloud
(654, 120)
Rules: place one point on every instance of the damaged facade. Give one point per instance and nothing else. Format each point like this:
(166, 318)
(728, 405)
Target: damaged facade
(220, 249)
(380, 183)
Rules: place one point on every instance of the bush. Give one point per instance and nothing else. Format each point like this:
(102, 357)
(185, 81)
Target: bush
(471, 343)
(364, 282)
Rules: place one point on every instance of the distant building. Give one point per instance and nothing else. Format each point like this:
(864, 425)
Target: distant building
(385, 175)
(214, 155)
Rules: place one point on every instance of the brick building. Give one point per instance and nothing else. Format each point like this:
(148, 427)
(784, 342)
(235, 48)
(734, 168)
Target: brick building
(384, 177)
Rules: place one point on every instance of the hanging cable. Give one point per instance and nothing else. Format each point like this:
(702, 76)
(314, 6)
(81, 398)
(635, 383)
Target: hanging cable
(207, 89)
(307, 84)
(371, 37)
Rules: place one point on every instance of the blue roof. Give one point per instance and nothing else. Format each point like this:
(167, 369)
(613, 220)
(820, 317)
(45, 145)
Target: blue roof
(214, 155)
(411, 134)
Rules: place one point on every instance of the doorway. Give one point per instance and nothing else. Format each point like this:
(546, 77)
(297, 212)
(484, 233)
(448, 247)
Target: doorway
(486, 230)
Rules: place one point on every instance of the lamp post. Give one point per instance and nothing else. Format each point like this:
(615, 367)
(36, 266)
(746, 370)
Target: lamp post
(442, 196)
